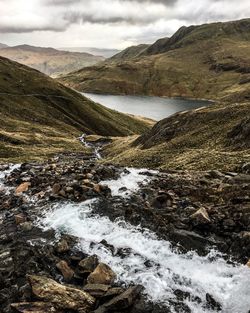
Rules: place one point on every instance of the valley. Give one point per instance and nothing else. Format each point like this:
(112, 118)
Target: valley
(125, 185)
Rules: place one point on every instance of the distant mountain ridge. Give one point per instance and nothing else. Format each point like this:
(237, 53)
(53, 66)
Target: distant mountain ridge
(49, 60)
(106, 53)
(206, 61)
(2, 45)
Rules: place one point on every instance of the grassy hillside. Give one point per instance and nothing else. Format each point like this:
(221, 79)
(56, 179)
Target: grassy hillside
(39, 116)
(209, 61)
(216, 137)
(130, 52)
(48, 60)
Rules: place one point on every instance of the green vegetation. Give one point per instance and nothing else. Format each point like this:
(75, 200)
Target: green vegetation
(40, 117)
(196, 140)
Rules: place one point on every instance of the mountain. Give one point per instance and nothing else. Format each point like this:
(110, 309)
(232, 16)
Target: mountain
(2, 45)
(130, 52)
(106, 53)
(209, 61)
(39, 116)
(48, 60)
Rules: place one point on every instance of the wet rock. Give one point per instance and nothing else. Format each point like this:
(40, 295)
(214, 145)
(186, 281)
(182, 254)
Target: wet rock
(20, 218)
(163, 200)
(212, 303)
(103, 274)
(62, 246)
(26, 226)
(112, 292)
(23, 188)
(200, 217)
(66, 271)
(56, 188)
(121, 302)
(96, 290)
(88, 264)
(62, 297)
(190, 240)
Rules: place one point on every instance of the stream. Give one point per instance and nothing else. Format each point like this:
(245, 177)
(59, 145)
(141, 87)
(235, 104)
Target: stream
(149, 261)
(140, 257)
(206, 284)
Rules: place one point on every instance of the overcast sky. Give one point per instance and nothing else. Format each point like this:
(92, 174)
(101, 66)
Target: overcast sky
(107, 23)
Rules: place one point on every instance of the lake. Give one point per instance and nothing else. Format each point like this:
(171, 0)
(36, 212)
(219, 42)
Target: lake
(152, 107)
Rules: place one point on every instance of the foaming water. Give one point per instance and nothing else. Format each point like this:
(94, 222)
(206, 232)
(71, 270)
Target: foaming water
(131, 179)
(96, 149)
(140, 257)
(5, 173)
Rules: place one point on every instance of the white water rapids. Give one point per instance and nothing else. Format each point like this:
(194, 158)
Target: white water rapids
(149, 261)
(4, 173)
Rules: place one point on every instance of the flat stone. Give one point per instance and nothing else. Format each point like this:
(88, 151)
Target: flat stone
(201, 217)
(121, 302)
(23, 188)
(60, 296)
(96, 290)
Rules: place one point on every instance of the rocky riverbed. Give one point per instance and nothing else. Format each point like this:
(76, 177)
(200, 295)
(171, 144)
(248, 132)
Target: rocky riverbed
(78, 236)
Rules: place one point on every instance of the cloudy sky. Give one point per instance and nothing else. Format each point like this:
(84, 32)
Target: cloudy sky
(107, 23)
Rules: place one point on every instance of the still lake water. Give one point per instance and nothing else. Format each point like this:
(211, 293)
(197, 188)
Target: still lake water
(155, 108)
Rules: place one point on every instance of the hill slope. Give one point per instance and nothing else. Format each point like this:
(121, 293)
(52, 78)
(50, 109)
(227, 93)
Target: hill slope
(39, 116)
(130, 52)
(208, 61)
(48, 60)
(216, 137)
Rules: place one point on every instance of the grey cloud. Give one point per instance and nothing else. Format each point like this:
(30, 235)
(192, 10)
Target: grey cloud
(74, 18)
(19, 30)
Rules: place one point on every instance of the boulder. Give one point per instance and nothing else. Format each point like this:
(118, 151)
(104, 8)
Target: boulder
(121, 302)
(103, 274)
(26, 226)
(88, 264)
(96, 290)
(23, 188)
(200, 217)
(66, 271)
(163, 200)
(97, 188)
(60, 296)
(62, 246)
(56, 188)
